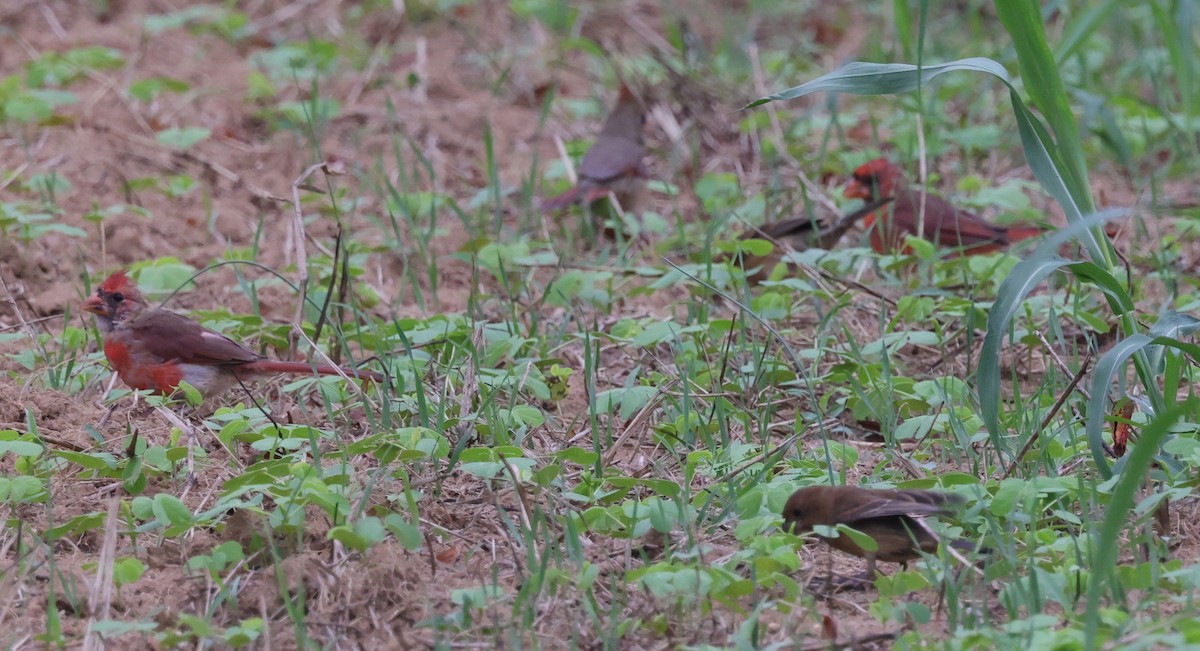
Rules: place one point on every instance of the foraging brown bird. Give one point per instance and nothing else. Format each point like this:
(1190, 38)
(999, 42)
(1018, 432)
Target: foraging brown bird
(888, 516)
(800, 234)
(945, 225)
(614, 162)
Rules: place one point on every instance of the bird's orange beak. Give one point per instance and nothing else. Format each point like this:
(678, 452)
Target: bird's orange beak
(856, 190)
(94, 305)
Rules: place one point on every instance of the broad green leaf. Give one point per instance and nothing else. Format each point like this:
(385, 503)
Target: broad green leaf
(861, 78)
(1039, 73)
(21, 447)
(127, 570)
(183, 138)
(408, 535)
(861, 539)
(169, 510)
(1027, 275)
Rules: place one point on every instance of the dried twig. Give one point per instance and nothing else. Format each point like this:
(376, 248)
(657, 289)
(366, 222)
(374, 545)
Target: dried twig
(1062, 399)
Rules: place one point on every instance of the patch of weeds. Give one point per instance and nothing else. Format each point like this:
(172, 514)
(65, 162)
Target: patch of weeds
(61, 69)
(227, 23)
(23, 222)
(25, 105)
(172, 186)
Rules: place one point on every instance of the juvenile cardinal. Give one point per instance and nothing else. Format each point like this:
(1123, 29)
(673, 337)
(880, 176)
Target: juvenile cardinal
(151, 348)
(888, 516)
(800, 234)
(944, 225)
(614, 162)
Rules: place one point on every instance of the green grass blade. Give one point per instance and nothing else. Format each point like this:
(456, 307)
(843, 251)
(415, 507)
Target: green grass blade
(1024, 278)
(1082, 27)
(1027, 275)
(859, 78)
(1118, 298)
(1039, 72)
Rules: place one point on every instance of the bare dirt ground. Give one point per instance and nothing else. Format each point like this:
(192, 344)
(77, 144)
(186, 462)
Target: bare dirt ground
(246, 174)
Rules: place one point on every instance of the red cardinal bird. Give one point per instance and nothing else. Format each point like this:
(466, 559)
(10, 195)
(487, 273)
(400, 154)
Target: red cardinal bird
(614, 163)
(945, 225)
(151, 348)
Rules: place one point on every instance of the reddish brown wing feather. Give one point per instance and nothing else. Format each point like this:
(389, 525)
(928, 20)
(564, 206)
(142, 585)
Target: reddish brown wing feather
(189, 342)
(945, 224)
(1018, 233)
(951, 226)
(568, 198)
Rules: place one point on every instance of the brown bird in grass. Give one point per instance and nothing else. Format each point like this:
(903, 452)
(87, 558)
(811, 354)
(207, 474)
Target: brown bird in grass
(614, 162)
(888, 516)
(800, 234)
(945, 225)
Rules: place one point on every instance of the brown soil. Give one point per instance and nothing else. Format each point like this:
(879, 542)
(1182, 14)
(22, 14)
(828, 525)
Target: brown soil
(387, 597)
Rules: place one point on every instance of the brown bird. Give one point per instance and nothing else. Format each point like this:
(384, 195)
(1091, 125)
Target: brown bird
(945, 225)
(614, 162)
(888, 516)
(800, 234)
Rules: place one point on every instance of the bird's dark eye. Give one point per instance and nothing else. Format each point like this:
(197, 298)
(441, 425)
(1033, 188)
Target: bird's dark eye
(798, 514)
(118, 297)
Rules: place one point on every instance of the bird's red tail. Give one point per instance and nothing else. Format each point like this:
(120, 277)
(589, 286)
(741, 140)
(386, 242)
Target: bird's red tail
(563, 201)
(1019, 233)
(269, 366)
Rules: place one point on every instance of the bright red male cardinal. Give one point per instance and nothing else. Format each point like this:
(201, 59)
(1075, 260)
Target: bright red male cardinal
(614, 163)
(945, 225)
(151, 348)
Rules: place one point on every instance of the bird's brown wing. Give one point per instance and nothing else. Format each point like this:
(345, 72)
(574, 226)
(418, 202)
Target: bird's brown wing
(953, 227)
(611, 158)
(902, 502)
(170, 336)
